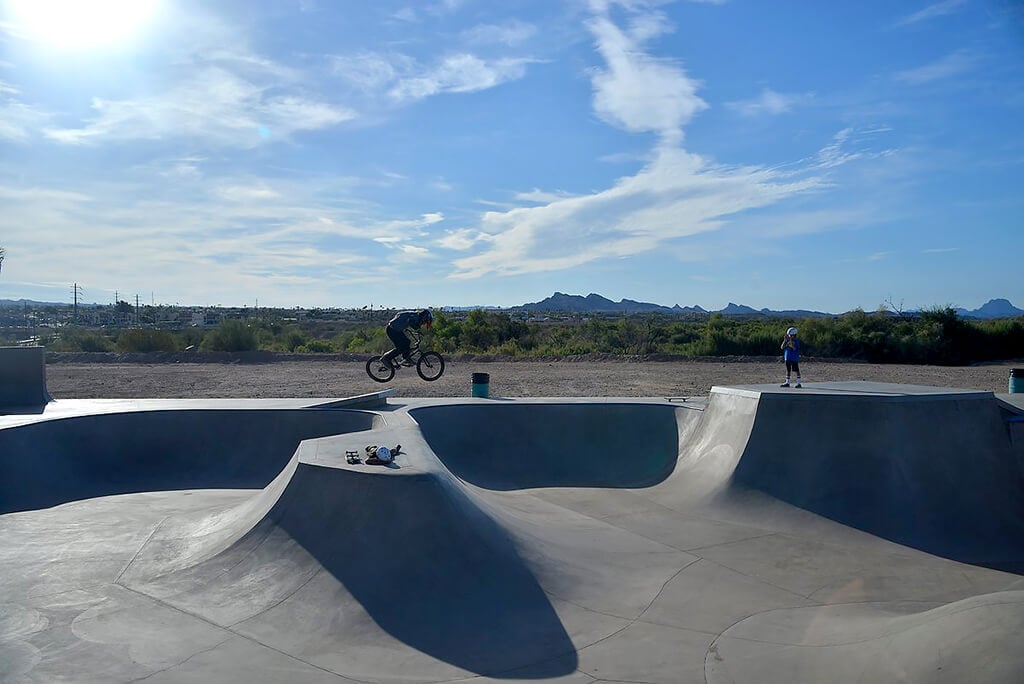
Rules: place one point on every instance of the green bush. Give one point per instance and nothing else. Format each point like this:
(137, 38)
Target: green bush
(316, 347)
(142, 340)
(75, 339)
(231, 336)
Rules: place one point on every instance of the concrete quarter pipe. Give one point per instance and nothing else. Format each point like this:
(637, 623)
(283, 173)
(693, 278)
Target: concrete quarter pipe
(851, 532)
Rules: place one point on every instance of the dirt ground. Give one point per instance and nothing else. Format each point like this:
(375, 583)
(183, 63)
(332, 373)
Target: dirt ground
(331, 378)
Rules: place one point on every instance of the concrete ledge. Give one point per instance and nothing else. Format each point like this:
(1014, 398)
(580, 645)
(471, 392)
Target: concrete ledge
(23, 377)
(854, 390)
(369, 400)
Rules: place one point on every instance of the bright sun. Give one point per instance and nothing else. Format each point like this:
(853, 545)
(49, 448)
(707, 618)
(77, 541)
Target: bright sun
(80, 23)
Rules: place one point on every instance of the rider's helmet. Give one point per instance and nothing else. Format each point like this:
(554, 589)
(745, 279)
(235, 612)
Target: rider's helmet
(791, 331)
(426, 317)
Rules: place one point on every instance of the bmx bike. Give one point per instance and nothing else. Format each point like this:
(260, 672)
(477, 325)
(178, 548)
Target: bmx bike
(429, 364)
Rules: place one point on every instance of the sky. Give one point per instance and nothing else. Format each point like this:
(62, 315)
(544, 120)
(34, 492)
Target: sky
(332, 153)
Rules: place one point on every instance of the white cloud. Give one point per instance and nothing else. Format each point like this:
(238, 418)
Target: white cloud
(676, 196)
(949, 66)
(938, 9)
(215, 106)
(247, 193)
(510, 33)
(462, 239)
(460, 73)
(636, 91)
(768, 102)
(941, 250)
(541, 196)
(835, 153)
(404, 80)
(371, 72)
(18, 120)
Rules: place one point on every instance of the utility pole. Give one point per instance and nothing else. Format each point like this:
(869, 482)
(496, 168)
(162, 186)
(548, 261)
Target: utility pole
(136, 311)
(74, 291)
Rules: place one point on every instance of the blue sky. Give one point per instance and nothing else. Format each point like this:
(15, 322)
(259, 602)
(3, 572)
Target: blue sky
(311, 153)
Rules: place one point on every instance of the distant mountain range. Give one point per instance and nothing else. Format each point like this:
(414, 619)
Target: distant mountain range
(595, 303)
(993, 308)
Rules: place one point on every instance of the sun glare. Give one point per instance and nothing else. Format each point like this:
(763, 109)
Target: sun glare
(80, 23)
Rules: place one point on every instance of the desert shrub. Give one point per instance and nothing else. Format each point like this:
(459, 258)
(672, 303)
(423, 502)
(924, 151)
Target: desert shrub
(316, 347)
(75, 339)
(231, 336)
(143, 340)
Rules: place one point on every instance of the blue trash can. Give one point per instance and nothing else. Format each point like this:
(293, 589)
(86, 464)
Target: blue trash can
(481, 384)
(1016, 381)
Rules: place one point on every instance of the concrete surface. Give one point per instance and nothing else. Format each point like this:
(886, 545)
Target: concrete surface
(842, 532)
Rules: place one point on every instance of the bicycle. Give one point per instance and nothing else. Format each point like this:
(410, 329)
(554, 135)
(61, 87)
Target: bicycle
(429, 364)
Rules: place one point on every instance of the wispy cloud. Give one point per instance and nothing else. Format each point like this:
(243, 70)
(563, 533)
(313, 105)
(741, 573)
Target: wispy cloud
(937, 9)
(510, 33)
(262, 234)
(215, 106)
(675, 196)
(951, 65)
(769, 102)
(461, 73)
(941, 250)
(403, 80)
(18, 120)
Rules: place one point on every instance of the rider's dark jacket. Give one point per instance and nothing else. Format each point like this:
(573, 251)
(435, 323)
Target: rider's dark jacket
(405, 319)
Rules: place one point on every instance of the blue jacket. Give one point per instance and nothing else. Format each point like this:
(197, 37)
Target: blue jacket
(791, 350)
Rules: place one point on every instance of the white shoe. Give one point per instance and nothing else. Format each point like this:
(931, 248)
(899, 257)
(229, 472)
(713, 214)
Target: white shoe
(785, 384)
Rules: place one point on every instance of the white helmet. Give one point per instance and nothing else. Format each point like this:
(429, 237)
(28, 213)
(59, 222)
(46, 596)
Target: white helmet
(791, 331)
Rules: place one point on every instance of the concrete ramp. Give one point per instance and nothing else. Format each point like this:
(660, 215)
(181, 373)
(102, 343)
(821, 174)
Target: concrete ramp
(760, 535)
(932, 471)
(389, 574)
(520, 446)
(53, 462)
(936, 471)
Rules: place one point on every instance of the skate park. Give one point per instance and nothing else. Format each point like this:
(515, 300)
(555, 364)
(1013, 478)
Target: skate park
(842, 532)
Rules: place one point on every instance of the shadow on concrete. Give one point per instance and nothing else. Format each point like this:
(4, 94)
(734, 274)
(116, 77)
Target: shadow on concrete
(429, 567)
(938, 476)
(521, 446)
(53, 462)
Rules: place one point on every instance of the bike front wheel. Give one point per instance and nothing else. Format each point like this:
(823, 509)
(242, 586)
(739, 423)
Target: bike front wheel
(379, 369)
(430, 366)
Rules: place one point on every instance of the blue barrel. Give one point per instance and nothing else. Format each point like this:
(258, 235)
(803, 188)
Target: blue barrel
(1016, 381)
(481, 384)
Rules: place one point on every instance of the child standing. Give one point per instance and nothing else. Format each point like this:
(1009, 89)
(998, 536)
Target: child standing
(791, 354)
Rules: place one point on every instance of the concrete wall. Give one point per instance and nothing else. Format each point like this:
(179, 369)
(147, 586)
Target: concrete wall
(23, 376)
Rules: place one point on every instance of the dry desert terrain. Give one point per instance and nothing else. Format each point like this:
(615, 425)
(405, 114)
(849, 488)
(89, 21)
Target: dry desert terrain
(330, 377)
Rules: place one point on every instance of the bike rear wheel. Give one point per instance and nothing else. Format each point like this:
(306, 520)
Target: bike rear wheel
(430, 365)
(379, 369)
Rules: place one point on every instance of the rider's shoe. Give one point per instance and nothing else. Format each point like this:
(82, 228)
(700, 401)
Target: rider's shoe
(407, 362)
(785, 384)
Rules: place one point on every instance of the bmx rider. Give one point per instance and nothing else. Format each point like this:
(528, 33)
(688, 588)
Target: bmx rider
(396, 332)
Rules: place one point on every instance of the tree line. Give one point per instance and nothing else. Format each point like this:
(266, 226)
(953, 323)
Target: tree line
(937, 336)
